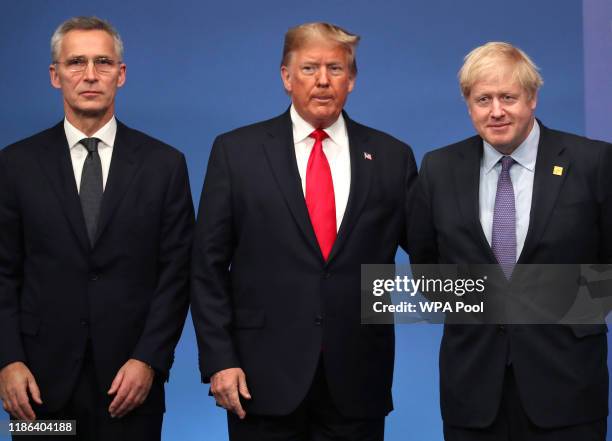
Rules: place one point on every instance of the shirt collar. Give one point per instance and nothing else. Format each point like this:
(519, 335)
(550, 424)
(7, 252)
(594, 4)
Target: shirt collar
(106, 133)
(302, 129)
(525, 155)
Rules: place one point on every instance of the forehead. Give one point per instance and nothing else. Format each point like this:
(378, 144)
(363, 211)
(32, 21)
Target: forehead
(320, 49)
(83, 42)
(502, 79)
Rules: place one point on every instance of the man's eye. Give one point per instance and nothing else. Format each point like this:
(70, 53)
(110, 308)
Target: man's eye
(308, 69)
(483, 100)
(336, 69)
(509, 98)
(104, 61)
(76, 62)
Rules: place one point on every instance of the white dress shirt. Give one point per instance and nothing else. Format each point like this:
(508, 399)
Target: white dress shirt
(78, 152)
(521, 174)
(336, 149)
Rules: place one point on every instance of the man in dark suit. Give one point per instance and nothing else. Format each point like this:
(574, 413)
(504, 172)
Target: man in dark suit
(96, 223)
(291, 207)
(517, 193)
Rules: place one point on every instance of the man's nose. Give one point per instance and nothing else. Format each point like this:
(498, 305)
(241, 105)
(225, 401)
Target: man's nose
(323, 77)
(90, 71)
(497, 109)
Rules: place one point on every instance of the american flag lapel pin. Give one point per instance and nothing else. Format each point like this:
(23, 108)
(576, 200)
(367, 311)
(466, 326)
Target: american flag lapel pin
(367, 156)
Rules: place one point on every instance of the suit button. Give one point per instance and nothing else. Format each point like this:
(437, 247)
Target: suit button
(318, 320)
(93, 277)
(501, 329)
(84, 322)
(326, 275)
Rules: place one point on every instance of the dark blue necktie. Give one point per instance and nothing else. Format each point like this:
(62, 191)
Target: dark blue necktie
(91, 187)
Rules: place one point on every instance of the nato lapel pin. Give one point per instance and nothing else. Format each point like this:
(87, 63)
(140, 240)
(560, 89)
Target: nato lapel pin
(557, 170)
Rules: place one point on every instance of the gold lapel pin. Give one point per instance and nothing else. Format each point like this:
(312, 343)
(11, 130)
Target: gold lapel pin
(557, 171)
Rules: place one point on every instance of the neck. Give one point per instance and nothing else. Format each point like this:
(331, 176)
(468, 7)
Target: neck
(505, 150)
(88, 123)
(318, 123)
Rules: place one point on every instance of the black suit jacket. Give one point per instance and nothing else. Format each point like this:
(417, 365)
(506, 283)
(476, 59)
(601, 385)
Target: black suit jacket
(561, 371)
(128, 294)
(264, 299)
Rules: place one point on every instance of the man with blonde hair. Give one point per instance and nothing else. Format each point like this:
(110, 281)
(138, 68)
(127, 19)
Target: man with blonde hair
(517, 193)
(96, 225)
(291, 208)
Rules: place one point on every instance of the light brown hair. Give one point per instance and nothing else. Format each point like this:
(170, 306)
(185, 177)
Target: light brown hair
(299, 36)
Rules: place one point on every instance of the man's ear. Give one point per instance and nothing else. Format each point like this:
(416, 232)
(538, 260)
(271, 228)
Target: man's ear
(54, 76)
(351, 84)
(533, 102)
(286, 77)
(122, 72)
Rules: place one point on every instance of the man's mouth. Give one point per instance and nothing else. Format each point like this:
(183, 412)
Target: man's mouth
(322, 99)
(498, 126)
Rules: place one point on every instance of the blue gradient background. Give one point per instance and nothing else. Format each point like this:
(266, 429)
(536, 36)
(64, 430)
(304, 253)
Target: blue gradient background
(196, 69)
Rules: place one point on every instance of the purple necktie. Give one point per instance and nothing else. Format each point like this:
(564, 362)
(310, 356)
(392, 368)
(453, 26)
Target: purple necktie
(503, 240)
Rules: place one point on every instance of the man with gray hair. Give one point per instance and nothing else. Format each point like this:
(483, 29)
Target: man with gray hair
(517, 193)
(96, 225)
(291, 208)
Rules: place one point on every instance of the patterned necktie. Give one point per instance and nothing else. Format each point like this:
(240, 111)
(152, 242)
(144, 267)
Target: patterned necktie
(91, 187)
(320, 198)
(503, 240)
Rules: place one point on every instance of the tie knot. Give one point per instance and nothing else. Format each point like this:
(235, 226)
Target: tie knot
(319, 135)
(91, 144)
(507, 162)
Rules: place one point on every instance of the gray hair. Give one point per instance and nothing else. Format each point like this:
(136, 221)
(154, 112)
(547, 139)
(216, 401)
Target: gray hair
(84, 24)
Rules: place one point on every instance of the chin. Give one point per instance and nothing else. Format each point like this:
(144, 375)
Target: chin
(92, 113)
(498, 140)
(328, 117)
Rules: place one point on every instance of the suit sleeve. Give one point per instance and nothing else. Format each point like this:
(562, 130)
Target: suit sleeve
(422, 242)
(214, 243)
(410, 181)
(605, 198)
(169, 306)
(11, 269)
(602, 289)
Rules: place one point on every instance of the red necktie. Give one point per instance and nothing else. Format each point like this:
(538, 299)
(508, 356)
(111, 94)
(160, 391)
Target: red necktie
(320, 195)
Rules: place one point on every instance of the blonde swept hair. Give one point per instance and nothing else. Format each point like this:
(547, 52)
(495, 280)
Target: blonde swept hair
(494, 55)
(299, 36)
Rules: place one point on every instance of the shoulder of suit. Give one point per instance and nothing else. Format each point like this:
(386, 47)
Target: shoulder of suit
(456, 148)
(252, 131)
(573, 141)
(147, 141)
(588, 154)
(30, 144)
(382, 139)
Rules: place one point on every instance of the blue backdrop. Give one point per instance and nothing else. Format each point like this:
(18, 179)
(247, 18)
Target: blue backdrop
(199, 68)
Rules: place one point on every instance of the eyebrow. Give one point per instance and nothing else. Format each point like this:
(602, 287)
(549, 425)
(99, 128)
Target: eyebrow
(317, 63)
(85, 56)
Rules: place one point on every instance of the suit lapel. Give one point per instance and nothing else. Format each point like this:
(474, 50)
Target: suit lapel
(56, 164)
(467, 187)
(546, 187)
(361, 172)
(281, 157)
(280, 153)
(122, 170)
